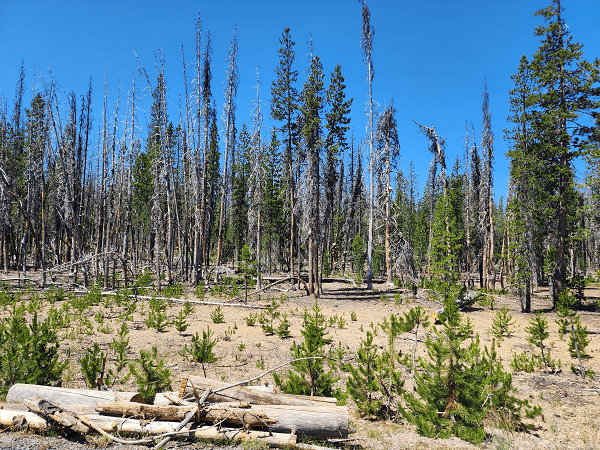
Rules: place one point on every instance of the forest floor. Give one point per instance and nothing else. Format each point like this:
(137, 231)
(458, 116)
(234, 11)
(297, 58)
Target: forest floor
(571, 407)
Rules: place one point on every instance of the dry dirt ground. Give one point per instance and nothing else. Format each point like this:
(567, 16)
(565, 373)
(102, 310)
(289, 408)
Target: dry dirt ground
(571, 408)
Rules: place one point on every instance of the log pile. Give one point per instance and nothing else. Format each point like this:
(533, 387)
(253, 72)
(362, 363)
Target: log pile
(203, 408)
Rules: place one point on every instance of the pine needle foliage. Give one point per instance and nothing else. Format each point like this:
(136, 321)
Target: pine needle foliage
(363, 379)
(502, 324)
(151, 374)
(28, 353)
(500, 401)
(93, 364)
(569, 322)
(310, 376)
(451, 383)
(538, 331)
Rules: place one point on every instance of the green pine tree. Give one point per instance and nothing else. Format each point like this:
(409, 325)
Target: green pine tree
(452, 382)
(309, 375)
(363, 379)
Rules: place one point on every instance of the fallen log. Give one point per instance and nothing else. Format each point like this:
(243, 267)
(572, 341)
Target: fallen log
(242, 394)
(81, 397)
(324, 422)
(315, 422)
(213, 414)
(238, 435)
(269, 286)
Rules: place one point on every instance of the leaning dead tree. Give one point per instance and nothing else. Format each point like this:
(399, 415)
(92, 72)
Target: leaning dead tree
(436, 147)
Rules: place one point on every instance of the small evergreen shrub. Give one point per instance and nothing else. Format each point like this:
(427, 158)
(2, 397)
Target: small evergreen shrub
(538, 332)
(180, 321)
(151, 374)
(310, 376)
(93, 364)
(363, 378)
(157, 314)
(28, 353)
(569, 322)
(283, 329)
(201, 350)
(523, 362)
(120, 348)
(251, 319)
(217, 315)
(268, 317)
(502, 324)
(450, 386)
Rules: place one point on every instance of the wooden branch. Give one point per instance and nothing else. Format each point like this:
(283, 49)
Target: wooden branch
(273, 284)
(187, 418)
(249, 380)
(49, 410)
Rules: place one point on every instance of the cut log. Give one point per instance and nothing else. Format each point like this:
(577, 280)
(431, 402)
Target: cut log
(237, 435)
(135, 426)
(252, 396)
(81, 397)
(315, 422)
(74, 408)
(246, 416)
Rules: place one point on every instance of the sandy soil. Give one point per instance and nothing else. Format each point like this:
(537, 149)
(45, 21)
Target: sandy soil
(571, 409)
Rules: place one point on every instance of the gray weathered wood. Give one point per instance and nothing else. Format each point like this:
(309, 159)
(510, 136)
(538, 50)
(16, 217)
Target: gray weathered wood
(81, 397)
(252, 396)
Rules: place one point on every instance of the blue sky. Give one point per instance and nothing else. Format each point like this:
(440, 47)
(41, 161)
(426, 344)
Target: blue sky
(430, 56)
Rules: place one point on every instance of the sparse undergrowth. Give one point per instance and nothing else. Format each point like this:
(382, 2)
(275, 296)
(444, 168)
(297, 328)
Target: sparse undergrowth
(389, 335)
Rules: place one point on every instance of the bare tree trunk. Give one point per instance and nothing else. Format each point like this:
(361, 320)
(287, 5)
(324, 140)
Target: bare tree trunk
(229, 116)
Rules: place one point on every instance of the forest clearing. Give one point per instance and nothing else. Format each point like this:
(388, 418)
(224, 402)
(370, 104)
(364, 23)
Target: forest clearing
(244, 348)
(147, 244)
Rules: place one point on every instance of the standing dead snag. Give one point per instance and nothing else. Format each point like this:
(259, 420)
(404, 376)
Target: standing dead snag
(229, 124)
(366, 43)
(256, 181)
(388, 149)
(485, 197)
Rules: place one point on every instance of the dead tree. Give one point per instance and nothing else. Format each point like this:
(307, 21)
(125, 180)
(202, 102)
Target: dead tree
(366, 43)
(256, 182)
(436, 147)
(229, 108)
(486, 200)
(388, 150)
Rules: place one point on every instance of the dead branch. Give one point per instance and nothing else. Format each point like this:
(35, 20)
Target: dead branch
(273, 284)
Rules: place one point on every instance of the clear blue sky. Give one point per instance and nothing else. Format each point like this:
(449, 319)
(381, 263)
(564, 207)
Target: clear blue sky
(430, 56)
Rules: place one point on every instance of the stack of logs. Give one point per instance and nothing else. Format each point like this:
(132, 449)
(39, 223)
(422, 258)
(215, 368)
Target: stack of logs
(203, 408)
